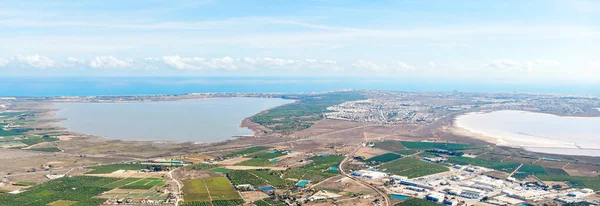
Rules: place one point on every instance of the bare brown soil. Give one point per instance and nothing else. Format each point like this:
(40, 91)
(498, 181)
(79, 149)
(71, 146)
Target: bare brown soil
(251, 196)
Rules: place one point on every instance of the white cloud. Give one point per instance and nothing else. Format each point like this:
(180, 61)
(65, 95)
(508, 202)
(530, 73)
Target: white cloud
(404, 66)
(522, 65)
(381, 67)
(432, 65)
(35, 61)
(228, 63)
(111, 62)
(3, 62)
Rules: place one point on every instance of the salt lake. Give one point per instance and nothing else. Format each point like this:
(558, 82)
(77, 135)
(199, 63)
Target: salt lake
(203, 120)
(537, 132)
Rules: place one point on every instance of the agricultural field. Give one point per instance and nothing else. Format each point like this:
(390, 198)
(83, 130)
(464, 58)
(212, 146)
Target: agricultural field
(556, 172)
(145, 183)
(529, 169)
(220, 170)
(268, 202)
(390, 145)
(210, 191)
(63, 203)
(573, 181)
(437, 145)
(411, 167)
(316, 171)
(416, 202)
(122, 182)
(247, 151)
(262, 159)
(302, 114)
(383, 158)
(106, 169)
(80, 189)
(492, 164)
(46, 149)
(258, 178)
(12, 144)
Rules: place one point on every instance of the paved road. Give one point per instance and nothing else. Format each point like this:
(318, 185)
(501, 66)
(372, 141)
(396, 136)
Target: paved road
(386, 198)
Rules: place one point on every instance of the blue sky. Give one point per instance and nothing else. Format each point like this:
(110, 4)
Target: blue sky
(503, 41)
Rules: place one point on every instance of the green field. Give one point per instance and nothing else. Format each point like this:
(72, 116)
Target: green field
(210, 191)
(145, 183)
(220, 170)
(247, 151)
(556, 171)
(201, 166)
(302, 114)
(259, 178)
(317, 170)
(492, 164)
(47, 149)
(12, 144)
(529, 169)
(81, 189)
(416, 202)
(383, 158)
(577, 182)
(268, 202)
(437, 145)
(411, 167)
(121, 183)
(261, 159)
(106, 169)
(390, 145)
(221, 189)
(63, 203)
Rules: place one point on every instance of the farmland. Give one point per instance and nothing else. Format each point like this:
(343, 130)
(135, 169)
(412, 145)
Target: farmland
(390, 145)
(258, 178)
(210, 191)
(529, 169)
(80, 189)
(247, 151)
(262, 159)
(437, 145)
(146, 183)
(268, 202)
(492, 164)
(411, 167)
(416, 202)
(62, 203)
(578, 182)
(383, 158)
(46, 149)
(105, 169)
(317, 170)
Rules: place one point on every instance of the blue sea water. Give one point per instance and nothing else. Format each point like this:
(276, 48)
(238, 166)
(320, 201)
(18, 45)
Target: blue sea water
(93, 86)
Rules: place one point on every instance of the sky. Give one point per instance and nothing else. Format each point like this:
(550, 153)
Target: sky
(502, 41)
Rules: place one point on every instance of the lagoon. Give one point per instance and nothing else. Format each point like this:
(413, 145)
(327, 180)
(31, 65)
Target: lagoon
(537, 132)
(202, 120)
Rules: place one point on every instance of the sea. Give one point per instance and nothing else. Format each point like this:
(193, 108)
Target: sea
(200, 120)
(95, 86)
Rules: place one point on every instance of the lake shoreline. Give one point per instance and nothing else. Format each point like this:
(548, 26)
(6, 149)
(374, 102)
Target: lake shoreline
(242, 124)
(470, 124)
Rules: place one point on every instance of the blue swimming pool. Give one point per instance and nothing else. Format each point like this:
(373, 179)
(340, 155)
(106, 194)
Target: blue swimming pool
(399, 197)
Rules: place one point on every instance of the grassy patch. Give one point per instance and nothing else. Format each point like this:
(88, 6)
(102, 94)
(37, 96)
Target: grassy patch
(268, 202)
(301, 115)
(31, 140)
(316, 171)
(46, 149)
(220, 170)
(262, 159)
(556, 172)
(106, 169)
(411, 167)
(145, 183)
(437, 145)
(247, 151)
(122, 182)
(492, 164)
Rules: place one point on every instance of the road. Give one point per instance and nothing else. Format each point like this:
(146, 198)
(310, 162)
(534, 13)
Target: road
(386, 198)
(179, 186)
